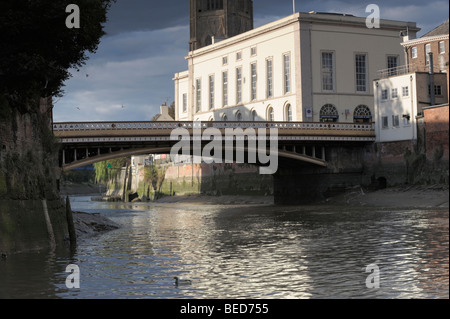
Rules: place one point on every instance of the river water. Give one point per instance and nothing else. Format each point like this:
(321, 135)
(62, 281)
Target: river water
(244, 252)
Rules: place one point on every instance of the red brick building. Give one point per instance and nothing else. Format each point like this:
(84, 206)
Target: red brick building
(437, 42)
(436, 132)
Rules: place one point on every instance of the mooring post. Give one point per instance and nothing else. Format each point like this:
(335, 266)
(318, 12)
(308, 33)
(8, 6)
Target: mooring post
(48, 222)
(70, 224)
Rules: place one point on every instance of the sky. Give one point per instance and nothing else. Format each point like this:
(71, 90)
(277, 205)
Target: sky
(130, 75)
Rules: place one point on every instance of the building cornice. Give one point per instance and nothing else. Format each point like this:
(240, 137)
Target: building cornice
(328, 19)
(425, 40)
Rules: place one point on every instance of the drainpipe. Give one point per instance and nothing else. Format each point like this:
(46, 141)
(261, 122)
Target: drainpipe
(432, 97)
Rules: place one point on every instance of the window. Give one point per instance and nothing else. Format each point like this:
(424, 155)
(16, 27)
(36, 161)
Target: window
(224, 118)
(385, 122)
(225, 60)
(225, 88)
(199, 94)
(427, 51)
(211, 92)
(270, 114)
(288, 115)
(362, 114)
(414, 53)
(184, 103)
(441, 47)
(287, 73)
(238, 85)
(214, 4)
(394, 93)
(405, 91)
(437, 90)
(392, 64)
(239, 116)
(395, 121)
(254, 116)
(269, 65)
(328, 71)
(238, 56)
(406, 120)
(253, 51)
(254, 79)
(329, 113)
(361, 72)
(384, 94)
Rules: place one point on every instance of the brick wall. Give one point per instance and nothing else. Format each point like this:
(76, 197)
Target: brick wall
(419, 63)
(437, 131)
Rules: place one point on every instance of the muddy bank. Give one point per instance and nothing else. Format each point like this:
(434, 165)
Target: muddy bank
(91, 225)
(76, 189)
(395, 197)
(218, 200)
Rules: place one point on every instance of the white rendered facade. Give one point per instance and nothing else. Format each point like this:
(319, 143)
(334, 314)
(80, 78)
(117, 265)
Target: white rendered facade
(305, 67)
(400, 99)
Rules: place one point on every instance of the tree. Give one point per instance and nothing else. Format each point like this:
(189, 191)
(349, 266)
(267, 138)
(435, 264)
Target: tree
(37, 49)
(106, 172)
(155, 175)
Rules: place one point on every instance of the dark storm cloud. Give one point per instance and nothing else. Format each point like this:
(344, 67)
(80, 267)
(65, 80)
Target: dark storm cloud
(143, 15)
(148, 40)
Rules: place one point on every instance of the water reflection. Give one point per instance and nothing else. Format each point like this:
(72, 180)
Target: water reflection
(247, 252)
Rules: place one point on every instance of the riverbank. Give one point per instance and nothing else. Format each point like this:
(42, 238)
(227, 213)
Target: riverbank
(436, 196)
(91, 225)
(394, 197)
(417, 196)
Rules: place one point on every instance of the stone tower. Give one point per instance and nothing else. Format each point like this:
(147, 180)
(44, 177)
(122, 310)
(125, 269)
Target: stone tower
(218, 19)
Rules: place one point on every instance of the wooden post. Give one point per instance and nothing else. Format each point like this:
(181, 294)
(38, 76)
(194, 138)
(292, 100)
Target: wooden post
(70, 224)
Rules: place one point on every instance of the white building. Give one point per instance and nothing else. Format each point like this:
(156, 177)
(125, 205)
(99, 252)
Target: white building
(400, 98)
(305, 67)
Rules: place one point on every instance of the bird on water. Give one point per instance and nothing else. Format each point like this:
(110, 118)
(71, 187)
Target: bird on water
(182, 282)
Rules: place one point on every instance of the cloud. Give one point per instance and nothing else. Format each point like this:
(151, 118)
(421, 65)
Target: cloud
(147, 41)
(133, 69)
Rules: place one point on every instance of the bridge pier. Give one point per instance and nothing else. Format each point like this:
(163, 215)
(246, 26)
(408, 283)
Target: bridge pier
(298, 183)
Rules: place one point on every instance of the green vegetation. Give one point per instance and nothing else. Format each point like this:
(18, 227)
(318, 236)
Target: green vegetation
(108, 171)
(38, 50)
(155, 175)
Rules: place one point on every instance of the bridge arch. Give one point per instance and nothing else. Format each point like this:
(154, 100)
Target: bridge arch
(303, 155)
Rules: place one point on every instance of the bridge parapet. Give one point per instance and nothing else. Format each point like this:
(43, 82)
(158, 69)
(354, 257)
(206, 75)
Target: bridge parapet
(102, 126)
(148, 131)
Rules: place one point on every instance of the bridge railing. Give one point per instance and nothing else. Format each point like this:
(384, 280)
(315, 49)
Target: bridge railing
(108, 126)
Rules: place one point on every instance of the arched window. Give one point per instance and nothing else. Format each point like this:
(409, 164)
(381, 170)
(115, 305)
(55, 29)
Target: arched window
(288, 113)
(329, 113)
(270, 114)
(238, 116)
(362, 114)
(254, 116)
(224, 118)
(208, 40)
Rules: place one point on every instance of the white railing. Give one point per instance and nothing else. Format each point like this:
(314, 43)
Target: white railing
(118, 126)
(405, 69)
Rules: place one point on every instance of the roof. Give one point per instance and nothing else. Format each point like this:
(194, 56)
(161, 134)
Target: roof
(440, 30)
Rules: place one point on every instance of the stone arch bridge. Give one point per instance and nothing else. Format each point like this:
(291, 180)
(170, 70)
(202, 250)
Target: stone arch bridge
(314, 158)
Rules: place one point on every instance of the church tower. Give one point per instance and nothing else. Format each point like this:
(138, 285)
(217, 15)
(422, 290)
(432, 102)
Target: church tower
(218, 19)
